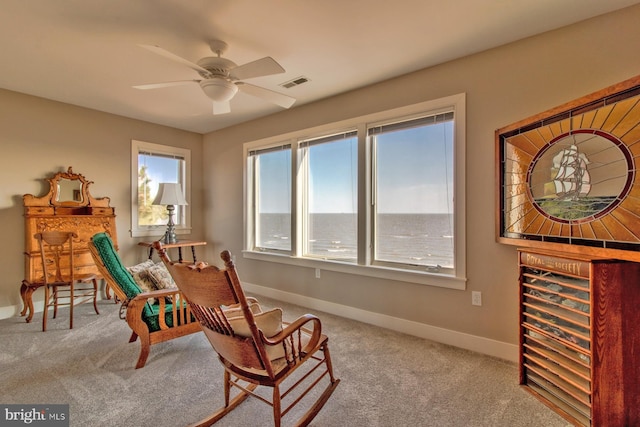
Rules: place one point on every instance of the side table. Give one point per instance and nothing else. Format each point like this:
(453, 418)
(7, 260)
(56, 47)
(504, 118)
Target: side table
(180, 244)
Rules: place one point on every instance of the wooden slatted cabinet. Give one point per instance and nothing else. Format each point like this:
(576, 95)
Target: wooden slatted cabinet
(580, 336)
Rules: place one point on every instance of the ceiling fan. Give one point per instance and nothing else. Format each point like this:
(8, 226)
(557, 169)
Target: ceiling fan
(222, 78)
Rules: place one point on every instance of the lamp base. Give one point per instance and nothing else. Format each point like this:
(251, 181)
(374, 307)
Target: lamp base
(169, 238)
(170, 235)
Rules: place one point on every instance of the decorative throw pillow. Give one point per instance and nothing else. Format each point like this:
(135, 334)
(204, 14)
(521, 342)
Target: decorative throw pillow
(139, 273)
(142, 278)
(270, 322)
(161, 277)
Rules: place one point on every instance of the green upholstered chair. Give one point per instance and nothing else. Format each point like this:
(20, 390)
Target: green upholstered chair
(166, 318)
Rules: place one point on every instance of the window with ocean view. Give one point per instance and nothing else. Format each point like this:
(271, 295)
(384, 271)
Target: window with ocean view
(329, 173)
(272, 197)
(380, 195)
(413, 199)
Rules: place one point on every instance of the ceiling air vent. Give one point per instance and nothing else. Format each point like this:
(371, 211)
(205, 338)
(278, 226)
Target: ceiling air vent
(295, 82)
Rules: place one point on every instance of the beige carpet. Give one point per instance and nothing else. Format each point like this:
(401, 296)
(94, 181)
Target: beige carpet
(388, 378)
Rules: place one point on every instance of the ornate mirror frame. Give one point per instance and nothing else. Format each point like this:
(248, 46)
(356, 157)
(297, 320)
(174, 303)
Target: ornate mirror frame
(567, 178)
(65, 193)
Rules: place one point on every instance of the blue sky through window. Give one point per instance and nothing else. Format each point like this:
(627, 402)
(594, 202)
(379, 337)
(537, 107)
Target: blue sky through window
(415, 170)
(414, 174)
(159, 169)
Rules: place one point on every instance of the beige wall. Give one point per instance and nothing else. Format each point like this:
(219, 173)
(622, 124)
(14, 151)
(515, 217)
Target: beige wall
(39, 138)
(503, 85)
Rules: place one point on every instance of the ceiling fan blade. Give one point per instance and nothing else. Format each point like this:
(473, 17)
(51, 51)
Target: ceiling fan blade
(258, 68)
(284, 101)
(165, 53)
(165, 84)
(221, 107)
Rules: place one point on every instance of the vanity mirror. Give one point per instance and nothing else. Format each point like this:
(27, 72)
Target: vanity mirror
(69, 191)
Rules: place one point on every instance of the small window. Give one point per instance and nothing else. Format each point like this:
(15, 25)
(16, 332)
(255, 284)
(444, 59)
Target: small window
(153, 164)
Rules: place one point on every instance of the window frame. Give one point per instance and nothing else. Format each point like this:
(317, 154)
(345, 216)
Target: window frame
(183, 219)
(454, 279)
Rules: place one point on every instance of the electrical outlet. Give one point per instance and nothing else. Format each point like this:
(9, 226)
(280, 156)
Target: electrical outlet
(317, 273)
(476, 298)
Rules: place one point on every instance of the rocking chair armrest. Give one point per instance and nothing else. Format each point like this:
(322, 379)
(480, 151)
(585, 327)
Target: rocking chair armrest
(295, 326)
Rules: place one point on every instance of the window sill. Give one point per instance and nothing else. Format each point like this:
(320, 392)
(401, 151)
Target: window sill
(422, 278)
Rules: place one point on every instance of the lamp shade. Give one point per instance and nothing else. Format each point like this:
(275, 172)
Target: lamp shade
(169, 193)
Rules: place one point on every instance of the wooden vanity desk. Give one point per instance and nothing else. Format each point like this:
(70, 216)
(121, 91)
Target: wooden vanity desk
(68, 206)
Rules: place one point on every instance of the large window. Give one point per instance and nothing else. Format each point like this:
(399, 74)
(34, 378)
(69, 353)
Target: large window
(413, 204)
(383, 198)
(271, 198)
(153, 164)
(329, 171)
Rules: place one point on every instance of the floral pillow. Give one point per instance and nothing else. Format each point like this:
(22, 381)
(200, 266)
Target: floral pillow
(142, 277)
(161, 277)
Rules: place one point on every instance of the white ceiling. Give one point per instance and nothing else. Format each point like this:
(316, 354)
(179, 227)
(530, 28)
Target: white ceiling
(85, 52)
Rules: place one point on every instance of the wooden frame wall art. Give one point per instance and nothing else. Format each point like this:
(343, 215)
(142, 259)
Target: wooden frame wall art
(568, 180)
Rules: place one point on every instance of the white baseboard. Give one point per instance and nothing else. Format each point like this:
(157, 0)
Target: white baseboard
(478, 344)
(10, 311)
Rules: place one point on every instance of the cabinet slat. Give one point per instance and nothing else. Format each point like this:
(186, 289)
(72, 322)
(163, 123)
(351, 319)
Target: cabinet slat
(555, 367)
(567, 388)
(572, 408)
(577, 357)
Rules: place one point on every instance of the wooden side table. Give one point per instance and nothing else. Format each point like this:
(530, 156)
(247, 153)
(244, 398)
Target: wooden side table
(180, 244)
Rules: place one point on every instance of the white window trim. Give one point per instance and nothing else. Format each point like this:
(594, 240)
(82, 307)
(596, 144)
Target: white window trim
(158, 230)
(458, 279)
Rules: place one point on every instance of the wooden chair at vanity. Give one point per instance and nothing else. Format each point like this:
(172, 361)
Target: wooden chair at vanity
(62, 284)
(256, 348)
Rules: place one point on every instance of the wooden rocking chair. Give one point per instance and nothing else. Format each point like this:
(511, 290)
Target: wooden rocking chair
(255, 347)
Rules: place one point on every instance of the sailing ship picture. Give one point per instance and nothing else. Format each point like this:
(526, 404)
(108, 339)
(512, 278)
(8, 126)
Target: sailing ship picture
(572, 180)
(581, 176)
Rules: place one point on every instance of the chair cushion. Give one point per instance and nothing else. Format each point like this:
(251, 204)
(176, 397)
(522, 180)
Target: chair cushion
(269, 322)
(236, 311)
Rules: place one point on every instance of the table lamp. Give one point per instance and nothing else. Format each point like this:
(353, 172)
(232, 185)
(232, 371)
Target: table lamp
(170, 194)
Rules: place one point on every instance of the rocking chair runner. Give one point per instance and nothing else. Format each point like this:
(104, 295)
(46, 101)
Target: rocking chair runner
(255, 347)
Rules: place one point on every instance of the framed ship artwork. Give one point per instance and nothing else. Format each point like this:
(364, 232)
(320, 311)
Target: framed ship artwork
(568, 180)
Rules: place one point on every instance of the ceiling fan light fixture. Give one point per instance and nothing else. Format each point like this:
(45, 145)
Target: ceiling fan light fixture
(219, 90)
